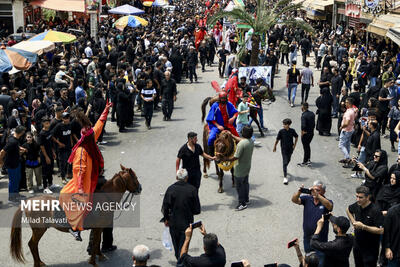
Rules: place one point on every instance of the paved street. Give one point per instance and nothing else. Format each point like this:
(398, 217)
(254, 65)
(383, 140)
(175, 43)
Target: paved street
(259, 233)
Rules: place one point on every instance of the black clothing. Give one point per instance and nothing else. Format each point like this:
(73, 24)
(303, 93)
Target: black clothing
(62, 132)
(286, 138)
(32, 154)
(391, 236)
(379, 171)
(366, 245)
(45, 140)
(168, 88)
(324, 105)
(222, 53)
(180, 203)
(12, 153)
(218, 259)
(372, 144)
(336, 84)
(293, 77)
(308, 121)
(190, 159)
(336, 252)
(356, 97)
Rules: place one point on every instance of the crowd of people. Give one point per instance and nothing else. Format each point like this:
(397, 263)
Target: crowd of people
(138, 69)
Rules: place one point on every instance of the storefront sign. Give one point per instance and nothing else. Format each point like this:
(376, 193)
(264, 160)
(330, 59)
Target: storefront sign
(372, 6)
(353, 8)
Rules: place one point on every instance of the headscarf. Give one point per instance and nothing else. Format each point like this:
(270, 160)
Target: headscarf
(87, 141)
(35, 105)
(390, 194)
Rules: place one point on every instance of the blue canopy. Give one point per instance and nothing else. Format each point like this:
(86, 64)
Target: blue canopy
(126, 10)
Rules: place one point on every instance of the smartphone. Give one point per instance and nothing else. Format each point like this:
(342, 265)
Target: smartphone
(271, 265)
(237, 264)
(291, 243)
(196, 224)
(305, 191)
(327, 216)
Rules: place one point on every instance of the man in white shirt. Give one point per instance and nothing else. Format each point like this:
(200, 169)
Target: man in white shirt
(88, 50)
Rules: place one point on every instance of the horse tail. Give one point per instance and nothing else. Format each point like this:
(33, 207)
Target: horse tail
(203, 108)
(15, 237)
(205, 145)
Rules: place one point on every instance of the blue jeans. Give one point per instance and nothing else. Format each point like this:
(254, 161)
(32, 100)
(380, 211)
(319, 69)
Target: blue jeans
(14, 176)
(239, 127)
(292, 92)
(344, 143)
(394, 263)
(372, 81)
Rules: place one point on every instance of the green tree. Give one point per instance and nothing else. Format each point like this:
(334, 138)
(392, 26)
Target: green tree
(266, 16)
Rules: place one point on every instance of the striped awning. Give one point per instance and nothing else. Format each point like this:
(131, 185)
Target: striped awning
(61, 5)
(382, 24)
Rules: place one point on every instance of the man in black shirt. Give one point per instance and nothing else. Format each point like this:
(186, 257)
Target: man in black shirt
(168, 95)
(307, 133)
(336, 252)
(47, 155)
(63, 138)
(10, 157)
(189, 154)
(221, 54)
(180, 204)
(391, 239)
(285, 136)
(373, 141)
(214, 255)
(191, 61)
(384, 100)
(367, 221)
(337, 84)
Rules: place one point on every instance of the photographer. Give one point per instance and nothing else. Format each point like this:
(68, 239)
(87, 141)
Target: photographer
(336, 252)
(315, 205)
(309, 260)
(214, 255)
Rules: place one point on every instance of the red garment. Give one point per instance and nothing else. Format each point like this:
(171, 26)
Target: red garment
(232, 89)
(225, 117)
(88, 142)
(199, 36)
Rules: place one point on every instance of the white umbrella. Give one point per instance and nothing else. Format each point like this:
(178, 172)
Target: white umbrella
(37, 47)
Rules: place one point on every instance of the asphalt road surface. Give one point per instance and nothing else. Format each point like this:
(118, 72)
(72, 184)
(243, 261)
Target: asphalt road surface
(259, 233)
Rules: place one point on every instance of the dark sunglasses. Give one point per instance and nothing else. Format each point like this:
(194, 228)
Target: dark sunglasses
(377, 156)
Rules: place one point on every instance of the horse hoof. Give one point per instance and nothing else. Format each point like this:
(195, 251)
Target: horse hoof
(102, 257)
(42, 264)
(220, 190)
(205, 175)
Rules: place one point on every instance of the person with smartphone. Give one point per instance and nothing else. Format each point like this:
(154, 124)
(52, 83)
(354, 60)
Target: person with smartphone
(315, 205)
(180, 204)
(214, 252)
(337, 252)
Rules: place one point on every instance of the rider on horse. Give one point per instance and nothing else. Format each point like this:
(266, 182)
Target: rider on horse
(221, 116)
(87, 164)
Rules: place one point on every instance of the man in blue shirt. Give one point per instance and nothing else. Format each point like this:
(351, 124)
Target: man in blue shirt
(315, 205)
(79, 92)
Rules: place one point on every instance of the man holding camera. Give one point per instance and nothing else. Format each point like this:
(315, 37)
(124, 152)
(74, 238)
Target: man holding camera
(315, 205)
(336, 252)
(214, 253)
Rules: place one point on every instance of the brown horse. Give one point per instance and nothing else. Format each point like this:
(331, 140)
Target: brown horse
(224, 147)
(125, 180)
